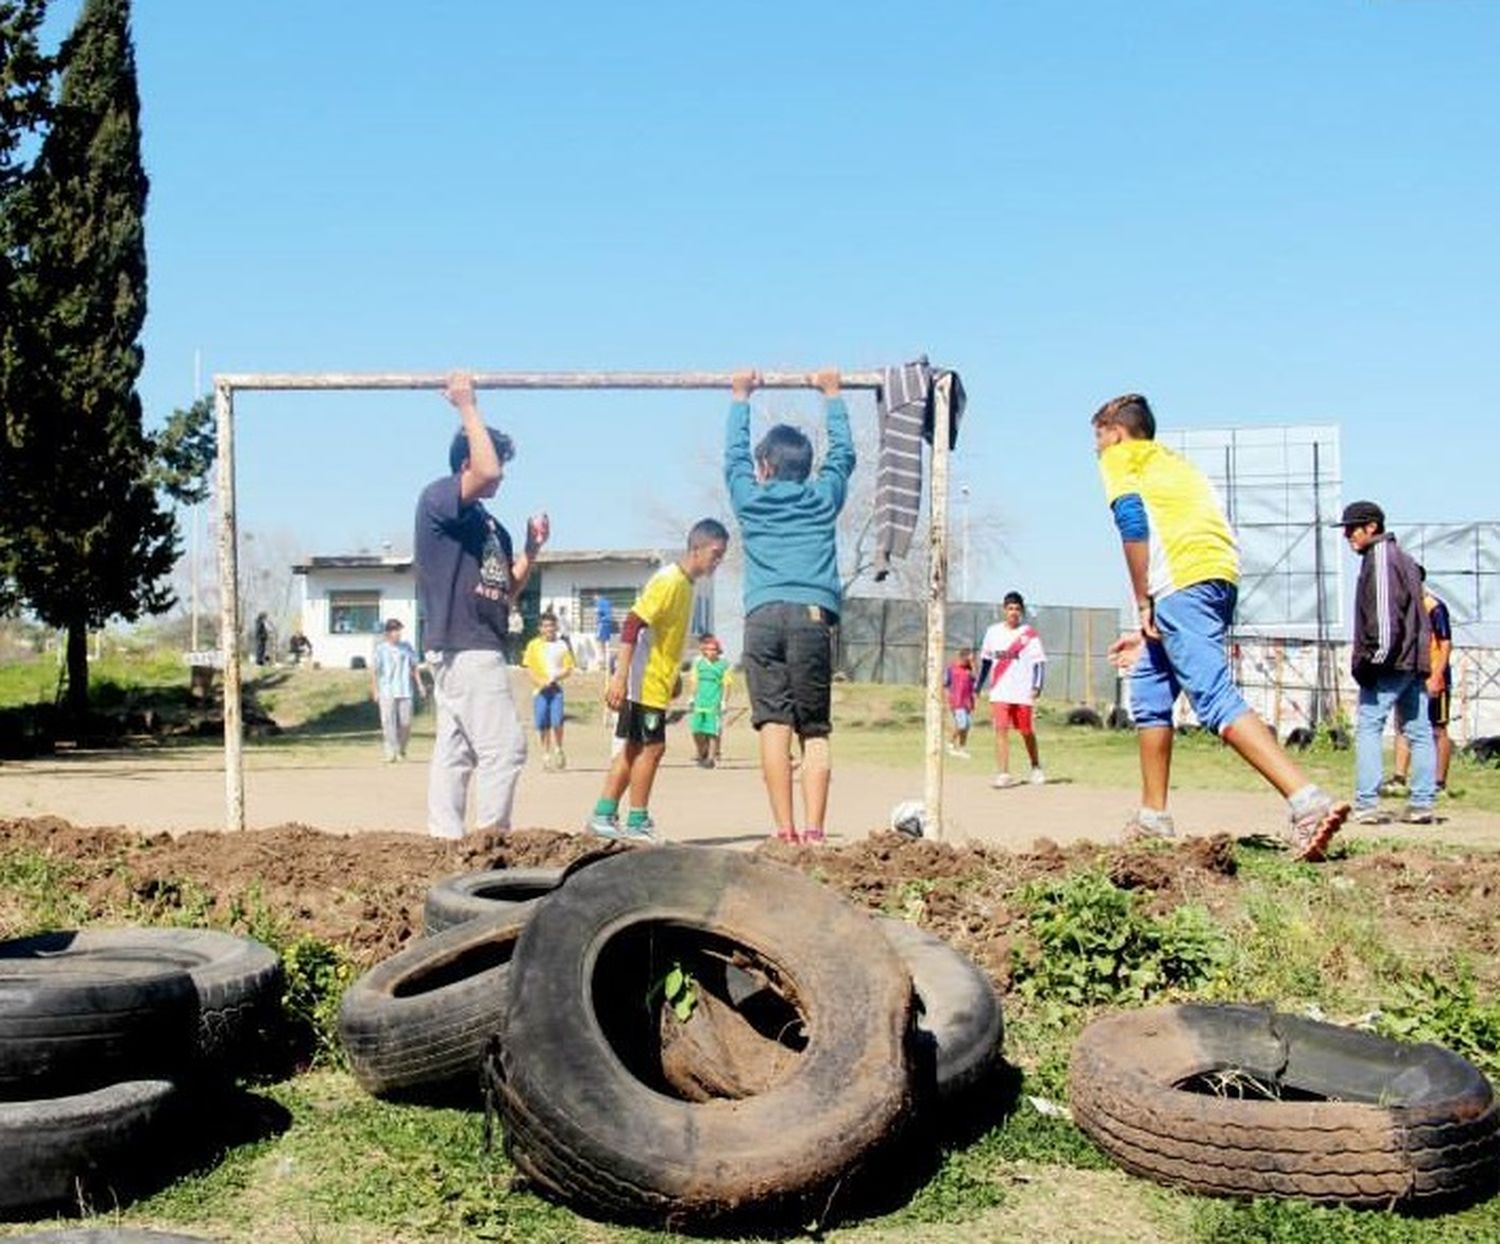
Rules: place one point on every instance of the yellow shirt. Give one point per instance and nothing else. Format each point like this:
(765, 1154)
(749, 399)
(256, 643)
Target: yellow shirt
(1189, 537)
(547, 660)
(665, 605)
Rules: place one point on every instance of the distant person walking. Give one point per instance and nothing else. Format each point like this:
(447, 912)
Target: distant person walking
(548, 662)
(958, 683)
(1439, 694)
(1391, 661)
(262, 639)
(1013, 665)
(468, 579)
(1184, 572)
(395, 686)
(788, 517)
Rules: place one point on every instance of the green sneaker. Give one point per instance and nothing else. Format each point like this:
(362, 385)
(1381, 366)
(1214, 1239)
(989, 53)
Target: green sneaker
(605, 825)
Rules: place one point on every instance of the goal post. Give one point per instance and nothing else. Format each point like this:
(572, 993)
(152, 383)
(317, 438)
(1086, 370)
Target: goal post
(226, 385)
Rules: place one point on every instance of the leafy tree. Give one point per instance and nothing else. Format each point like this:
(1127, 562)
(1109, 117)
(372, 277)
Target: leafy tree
(86, 539)
(25, 77)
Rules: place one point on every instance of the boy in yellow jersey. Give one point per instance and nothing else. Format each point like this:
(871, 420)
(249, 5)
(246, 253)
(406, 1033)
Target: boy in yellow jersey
(646, 678)
(1184, 571)
(548, 661)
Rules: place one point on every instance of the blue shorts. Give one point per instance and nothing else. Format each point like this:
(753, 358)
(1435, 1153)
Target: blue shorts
(1191, 657)
(547, 709)
(961, 718)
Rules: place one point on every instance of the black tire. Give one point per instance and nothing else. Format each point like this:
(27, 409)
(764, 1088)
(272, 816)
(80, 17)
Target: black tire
(74, 1022)
(94, 1144)
(1082, 715)
(454, 900)
(960, 1017)
(587, 1128)
(234, 986)
(419, 1021)
(1389, 1124)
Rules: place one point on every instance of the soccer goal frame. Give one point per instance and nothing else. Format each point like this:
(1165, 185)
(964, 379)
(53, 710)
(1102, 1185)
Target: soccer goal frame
(227, 385)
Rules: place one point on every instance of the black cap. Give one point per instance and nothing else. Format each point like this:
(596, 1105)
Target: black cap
(1358, 513)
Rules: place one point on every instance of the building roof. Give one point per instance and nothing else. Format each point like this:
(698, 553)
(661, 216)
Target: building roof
(547, 557)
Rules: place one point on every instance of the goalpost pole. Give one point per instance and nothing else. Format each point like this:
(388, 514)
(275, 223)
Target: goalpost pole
(226, 384)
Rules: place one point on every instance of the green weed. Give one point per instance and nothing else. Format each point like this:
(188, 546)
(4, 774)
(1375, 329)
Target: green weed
(1094, 943)
(1447, 1011)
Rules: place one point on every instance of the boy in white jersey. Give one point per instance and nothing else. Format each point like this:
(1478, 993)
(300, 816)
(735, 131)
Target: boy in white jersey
(1012, 665)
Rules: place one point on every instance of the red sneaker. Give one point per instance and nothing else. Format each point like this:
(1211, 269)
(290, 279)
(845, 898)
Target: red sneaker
(814, 837)
(789, 836)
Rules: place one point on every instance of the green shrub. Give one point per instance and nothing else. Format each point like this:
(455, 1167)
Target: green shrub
(317, 974)
(1449, 1012)
(1095, 944)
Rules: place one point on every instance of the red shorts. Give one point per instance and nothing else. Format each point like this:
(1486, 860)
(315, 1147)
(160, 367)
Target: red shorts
(1007, 715)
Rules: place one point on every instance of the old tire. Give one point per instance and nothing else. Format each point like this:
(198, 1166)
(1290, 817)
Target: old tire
(420, 1020)
(1413, 1126)
(960, 1020)
(586, 1127)
(95, 1143)
(454, 900)
(127, 989)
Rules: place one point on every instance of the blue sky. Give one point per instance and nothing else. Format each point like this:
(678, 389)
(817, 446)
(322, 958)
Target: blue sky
(1252, 212)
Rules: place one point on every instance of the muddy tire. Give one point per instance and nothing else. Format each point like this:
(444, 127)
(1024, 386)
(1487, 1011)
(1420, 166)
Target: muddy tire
(94, 1144)
(106, 1004)
(960, 1021)
(454, 900)
(1240, 1101)
(419, 1021)
(582, 1120)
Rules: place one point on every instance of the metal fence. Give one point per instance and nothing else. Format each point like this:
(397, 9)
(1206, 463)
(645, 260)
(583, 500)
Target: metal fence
(886, 641)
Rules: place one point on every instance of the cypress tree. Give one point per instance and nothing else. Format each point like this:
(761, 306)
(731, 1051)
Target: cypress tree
(25, 79)
(88, 540)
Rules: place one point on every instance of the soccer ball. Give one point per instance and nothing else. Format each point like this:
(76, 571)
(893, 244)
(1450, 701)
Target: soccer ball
(909, 817)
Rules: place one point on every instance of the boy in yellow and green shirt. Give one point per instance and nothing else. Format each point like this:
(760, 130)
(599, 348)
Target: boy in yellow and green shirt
(646, 679)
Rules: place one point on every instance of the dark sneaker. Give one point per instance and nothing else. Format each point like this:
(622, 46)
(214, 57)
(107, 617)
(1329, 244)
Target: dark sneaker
(1314, 827)
(1395, 785)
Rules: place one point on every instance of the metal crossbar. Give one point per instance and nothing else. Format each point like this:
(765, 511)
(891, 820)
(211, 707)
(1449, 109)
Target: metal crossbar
(229, 619)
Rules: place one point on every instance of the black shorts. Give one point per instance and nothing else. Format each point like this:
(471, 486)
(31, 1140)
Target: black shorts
(1438, 707)
(636, 723)
(788, 661)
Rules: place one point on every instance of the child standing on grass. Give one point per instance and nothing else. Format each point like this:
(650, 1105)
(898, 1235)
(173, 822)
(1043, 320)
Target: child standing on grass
(548, 660)
(394, 684)
(646, 679)
(793, 594)
(710, 700)
(958, 678)
(1012, 665)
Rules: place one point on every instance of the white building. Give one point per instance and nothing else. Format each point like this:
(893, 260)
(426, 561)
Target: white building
(346, 600)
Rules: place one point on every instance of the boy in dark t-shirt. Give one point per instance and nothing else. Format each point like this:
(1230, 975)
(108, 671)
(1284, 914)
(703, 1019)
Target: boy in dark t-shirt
(467, 577)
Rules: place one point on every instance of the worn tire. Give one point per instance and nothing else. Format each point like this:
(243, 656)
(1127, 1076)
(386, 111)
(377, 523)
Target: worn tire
(454, 900)
(421, 1019)
(960, 1019)
(1413, 1126)
(97, 1143)
(584, 1127)
(232, 986)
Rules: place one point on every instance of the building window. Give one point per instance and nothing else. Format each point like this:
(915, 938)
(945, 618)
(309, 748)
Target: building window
(354, 613)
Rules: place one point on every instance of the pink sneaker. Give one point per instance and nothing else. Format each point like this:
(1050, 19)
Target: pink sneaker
(814, 837)
(790, 836)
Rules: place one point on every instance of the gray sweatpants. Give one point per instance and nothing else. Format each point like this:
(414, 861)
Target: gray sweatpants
(478, 733)
(395, 724)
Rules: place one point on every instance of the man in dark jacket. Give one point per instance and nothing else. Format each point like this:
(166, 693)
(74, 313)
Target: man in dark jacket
(1390, 663)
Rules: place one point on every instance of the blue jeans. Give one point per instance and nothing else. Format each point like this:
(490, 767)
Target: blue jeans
(1406, 692)
(1190, 656)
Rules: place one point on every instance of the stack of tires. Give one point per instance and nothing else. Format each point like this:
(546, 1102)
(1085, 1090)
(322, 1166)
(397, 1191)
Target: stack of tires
(677, 1035)
(107, 1038)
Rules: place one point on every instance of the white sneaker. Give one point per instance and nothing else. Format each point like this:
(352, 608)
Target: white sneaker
(1038, 778)
(963, 754)
(559, 760)
(1003, 780)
